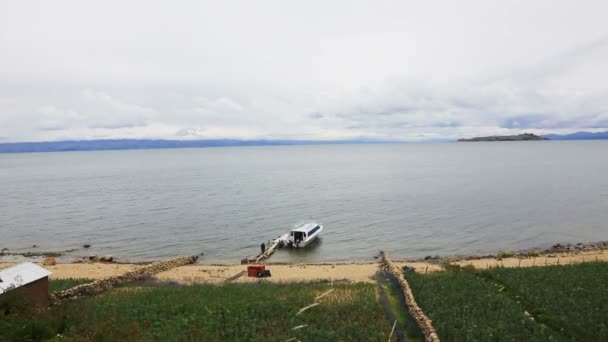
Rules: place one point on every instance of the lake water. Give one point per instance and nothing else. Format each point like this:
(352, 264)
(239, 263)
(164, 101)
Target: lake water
(411, 200)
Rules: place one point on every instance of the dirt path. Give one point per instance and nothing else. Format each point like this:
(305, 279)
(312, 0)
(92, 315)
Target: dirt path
(356, 272)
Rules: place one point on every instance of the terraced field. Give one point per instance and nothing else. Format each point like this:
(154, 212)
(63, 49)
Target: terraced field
(517, 304)
(548, 303)
(256, 312)
(466, 308)
(572, 299)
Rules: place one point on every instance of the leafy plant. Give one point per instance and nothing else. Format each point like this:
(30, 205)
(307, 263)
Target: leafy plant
(570, 298)
(234, 312)
(464, 307)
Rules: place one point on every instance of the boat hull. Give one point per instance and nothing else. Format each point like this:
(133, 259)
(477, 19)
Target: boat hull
(306, 243)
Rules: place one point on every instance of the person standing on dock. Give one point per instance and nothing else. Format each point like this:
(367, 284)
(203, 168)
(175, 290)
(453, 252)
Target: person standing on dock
(263, 247)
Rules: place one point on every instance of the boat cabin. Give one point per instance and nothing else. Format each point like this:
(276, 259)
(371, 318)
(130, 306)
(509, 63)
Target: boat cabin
(304, 233)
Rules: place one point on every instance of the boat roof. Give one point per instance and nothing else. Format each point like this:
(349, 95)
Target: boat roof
(20, 275)
(306, 227)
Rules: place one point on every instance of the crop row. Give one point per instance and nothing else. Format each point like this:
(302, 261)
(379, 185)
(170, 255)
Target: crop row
(260, 312)
(466, 308)
(568, 302)
(571, 298)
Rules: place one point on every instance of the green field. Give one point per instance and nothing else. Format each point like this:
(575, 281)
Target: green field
(256, 312)
(64, 284)
(572, 299)
(392, 297)
(466, 308)
(563, 303)
(548, 303)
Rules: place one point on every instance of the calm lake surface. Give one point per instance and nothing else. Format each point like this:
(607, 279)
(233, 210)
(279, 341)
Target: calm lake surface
(411, 200)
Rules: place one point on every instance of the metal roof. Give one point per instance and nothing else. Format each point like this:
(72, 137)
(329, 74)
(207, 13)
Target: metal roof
(19, 275)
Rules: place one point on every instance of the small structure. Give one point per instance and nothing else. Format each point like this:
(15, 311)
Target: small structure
(27, 280)
(258, 271)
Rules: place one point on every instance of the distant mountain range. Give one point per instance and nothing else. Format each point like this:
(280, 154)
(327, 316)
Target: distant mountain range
(578, 136)
(134, 144)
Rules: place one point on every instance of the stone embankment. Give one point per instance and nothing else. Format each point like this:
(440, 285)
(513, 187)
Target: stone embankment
(424, 323)
(105, 284)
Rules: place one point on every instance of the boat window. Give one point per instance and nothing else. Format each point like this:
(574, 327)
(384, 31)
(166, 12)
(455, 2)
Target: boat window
(314, 230)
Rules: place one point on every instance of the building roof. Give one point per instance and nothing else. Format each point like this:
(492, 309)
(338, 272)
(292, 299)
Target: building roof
(21, 274)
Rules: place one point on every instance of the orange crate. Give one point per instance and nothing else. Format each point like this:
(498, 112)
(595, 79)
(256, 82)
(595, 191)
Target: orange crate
(252, 270)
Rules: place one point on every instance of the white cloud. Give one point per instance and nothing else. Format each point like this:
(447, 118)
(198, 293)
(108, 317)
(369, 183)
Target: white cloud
(100, 110)
(53, 118)
(405, 70)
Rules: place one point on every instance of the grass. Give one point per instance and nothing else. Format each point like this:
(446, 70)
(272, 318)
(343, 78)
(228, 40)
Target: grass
(570, 298)
(567, 302)
(464, 307)
(234, 312)
(64, 284)
(395, 302)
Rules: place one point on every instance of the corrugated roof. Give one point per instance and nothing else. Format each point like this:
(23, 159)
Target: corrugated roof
(19, 275)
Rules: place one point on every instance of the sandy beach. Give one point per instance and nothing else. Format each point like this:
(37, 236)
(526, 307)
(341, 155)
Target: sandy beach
(354, 272)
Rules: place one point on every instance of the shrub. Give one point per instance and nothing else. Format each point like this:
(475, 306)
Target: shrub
(504, 254)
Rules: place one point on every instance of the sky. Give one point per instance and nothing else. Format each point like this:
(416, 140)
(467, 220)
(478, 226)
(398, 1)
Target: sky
(306, 70)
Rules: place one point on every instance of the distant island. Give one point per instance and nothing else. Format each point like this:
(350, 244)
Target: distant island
(519, 137)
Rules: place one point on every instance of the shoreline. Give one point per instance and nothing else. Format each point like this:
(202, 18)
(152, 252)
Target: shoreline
(355, 271)
(22, 255)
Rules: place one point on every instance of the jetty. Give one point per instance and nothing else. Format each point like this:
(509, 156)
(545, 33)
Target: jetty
(270, 248)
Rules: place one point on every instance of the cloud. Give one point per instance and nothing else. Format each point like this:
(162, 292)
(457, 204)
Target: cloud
(397, 71)
(55, 119)
(92, 109)
(219, 132)
(315, 116)
(547, 122)
(100, 110)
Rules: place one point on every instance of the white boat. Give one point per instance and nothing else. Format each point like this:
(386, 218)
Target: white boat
(303, 235)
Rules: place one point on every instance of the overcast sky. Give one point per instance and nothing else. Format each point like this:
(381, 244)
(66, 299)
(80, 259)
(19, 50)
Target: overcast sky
(398, 70)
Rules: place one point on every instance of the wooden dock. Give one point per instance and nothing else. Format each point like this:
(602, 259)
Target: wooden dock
(270, 248)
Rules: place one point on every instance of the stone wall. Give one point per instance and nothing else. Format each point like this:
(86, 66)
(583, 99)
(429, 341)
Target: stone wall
(424, 323)
(105, 284)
